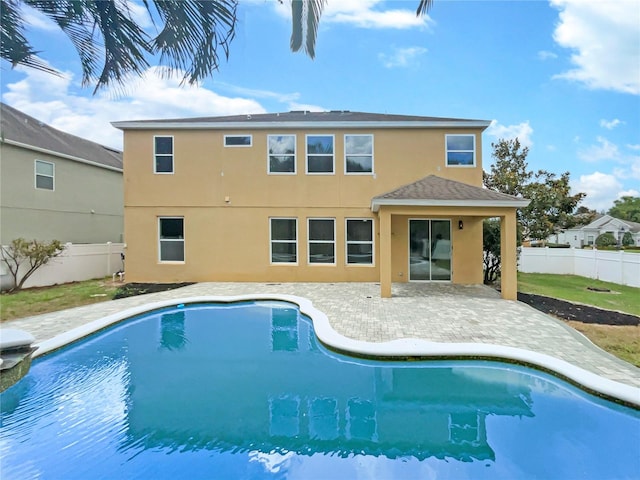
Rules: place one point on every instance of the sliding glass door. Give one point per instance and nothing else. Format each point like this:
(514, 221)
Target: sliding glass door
(429, 250)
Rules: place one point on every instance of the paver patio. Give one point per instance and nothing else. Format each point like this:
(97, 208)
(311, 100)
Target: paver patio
(433, 312)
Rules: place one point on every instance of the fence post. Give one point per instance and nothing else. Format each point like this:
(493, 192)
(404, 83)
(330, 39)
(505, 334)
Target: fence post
(108, 259)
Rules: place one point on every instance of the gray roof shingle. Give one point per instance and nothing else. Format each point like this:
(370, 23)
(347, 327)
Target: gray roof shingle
(441, 191)
(343, 117)
(19, 127)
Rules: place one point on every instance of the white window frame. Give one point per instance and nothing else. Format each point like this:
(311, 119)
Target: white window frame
(295, 159)
(446, 150)
(332, 155)
(359, 242)
(173, 159)
(346, 154)
(272, 241)
(309, 242)
(160, 240)
(250, 137)
(36, 175)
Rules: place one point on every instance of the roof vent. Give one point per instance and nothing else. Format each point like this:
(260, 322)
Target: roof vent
(248, 117)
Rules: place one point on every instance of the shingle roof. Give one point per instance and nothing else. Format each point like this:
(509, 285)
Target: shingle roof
(343, 117)
(18, 127)
(434, 190)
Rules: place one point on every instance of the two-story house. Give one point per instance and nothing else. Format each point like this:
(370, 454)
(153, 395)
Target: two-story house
(302, 196)
(54, 185)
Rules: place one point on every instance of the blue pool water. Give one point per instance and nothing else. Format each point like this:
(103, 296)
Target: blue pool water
(245, 391)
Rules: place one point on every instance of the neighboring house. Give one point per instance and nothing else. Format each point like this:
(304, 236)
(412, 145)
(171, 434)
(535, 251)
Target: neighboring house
(55, 185)
(587, 234)
(311, 197)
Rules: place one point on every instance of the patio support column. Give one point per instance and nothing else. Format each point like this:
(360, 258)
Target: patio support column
(508, 257)
(385, 253)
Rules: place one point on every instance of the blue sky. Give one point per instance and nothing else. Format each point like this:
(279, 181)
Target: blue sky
(562, 75)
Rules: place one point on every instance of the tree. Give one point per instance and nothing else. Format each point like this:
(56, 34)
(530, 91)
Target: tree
(491, 249)
(112, 45)
(32, 254)
(627, 240)
(551, 208)
(626, 208)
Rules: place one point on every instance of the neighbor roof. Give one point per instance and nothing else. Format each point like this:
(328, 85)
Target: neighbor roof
(303, 118)
(437, 191)
(17, 128)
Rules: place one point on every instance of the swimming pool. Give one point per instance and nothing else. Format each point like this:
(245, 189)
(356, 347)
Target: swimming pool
(245, 390)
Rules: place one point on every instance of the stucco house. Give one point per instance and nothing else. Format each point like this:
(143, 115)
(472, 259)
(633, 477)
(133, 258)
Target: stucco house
(54, 185)
(303, 196)
(587, 234)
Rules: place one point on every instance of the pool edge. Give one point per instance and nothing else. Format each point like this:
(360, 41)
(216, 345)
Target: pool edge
(406, 347)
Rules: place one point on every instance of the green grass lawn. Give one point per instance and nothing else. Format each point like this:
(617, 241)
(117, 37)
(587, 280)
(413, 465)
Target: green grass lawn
(34, 301)
(574, 289)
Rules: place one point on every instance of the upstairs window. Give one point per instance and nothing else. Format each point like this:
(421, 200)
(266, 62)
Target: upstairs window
(171, 236)
(358, 152)
(282, 154)
(238, 140)
(163, 154)
(45, 175)
(320, 158)
(461, 150)
(284, 240)
(322, 240)
(359, 241)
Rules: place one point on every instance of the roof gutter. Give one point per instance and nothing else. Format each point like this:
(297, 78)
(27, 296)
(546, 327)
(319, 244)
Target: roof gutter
(376, 203)
(61, 155)
(169, 125)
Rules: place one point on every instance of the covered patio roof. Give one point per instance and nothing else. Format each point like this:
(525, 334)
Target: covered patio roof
(440, 196)
(434, 191)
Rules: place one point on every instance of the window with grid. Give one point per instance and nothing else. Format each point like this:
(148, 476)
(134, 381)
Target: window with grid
(461, 150)
(322, 240)
(45, 175)
(284, 240)
(171, 239)
(282, 154)
(320, 159)
(358, 152)
(359, 241)
(163, 154)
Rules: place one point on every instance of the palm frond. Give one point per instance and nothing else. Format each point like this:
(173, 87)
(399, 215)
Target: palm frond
(424, 7)
(305, 18)
(14, 47)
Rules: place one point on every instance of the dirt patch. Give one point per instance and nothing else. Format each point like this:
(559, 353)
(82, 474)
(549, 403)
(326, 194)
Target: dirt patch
(133, 289)
(580, 313)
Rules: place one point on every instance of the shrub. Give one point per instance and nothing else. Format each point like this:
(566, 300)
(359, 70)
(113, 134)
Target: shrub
(606, 240)
(33, 254)
(627, 239)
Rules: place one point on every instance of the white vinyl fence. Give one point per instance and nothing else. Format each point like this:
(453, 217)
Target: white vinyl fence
(616, 267)
(76, 263)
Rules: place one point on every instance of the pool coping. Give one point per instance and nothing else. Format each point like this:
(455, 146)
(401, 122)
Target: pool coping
(399, 348)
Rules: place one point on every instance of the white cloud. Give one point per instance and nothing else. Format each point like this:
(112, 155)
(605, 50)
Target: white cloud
(402, 57)
(35, 19)
(610, 124)
(545, 55)
(604, 150)
(51, 100)
(633, 147)
(521, 131)
(601, 189)
(605, 39)
(365, 14)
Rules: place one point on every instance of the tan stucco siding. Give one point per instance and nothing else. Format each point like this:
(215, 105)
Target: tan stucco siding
(206, 172)
(227, 196)
(64, 213)
(233, 244)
